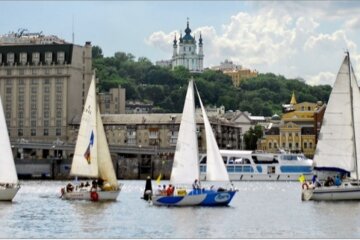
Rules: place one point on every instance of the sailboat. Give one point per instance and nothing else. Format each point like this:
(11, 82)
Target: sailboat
(338, 148)
(9, 183)
(185, 168)
(92, 157)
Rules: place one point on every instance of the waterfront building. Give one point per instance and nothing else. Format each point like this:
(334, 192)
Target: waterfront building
(298, 129)
(138, 107)
(185, 53)
(43, 84)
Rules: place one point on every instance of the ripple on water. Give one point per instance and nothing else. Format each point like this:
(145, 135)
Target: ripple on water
(258, 210)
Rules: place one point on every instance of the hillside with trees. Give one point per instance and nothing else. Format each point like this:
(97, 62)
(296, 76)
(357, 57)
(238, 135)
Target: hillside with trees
(166, 88)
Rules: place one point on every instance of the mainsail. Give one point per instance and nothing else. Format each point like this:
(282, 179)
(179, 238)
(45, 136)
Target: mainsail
(186, 159)
(337, 144)
(215, 167)
(85, 162)
(7, 166)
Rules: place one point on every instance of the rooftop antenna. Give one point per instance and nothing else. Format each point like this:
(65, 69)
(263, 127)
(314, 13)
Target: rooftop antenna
(73, 34)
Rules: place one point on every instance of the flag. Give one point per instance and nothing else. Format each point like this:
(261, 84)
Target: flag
(87, 152)
(158, 179)
(302, 178)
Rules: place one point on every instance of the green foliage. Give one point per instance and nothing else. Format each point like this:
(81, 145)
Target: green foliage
(251, 137)
(166, 88)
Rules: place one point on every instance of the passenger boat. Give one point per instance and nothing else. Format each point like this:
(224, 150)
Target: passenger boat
(92, 157)
(338, 148)
(260, 166)
(186, 164)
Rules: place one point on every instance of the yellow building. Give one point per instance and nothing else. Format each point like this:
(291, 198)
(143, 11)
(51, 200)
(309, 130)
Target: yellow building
(297, 130)
(240, 74)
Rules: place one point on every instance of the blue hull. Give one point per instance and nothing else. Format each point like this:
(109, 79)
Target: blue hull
(196, 198)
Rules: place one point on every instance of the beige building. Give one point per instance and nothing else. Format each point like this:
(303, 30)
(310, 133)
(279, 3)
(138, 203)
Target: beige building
(298, 129)
(43, 88)
(240, 74)
(160, 131)
(112, 102)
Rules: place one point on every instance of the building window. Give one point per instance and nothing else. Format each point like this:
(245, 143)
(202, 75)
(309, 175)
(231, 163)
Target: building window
(20, 132)
(305, 144)
(33, 132)
(60, 57)
(310, 145)
(46, 114)
(296, 145)
(35, 59)
(21, 71)
(58, 132)
(48, 57)
(8, 72)
(47, 89)
(23, 58)
(34, 71)
(46, 123)
(10, 58)
(46, 132)
(270, 145)
(8, 90)
(33, 123)
(47, 81)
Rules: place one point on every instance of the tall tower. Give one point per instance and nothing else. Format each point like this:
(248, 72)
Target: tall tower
(187, 54)
(175, 47)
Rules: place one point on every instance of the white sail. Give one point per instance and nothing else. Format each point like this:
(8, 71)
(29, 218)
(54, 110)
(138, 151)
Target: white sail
(186, 159)
(335, 147)
(356, 113)
(7, 165)
(215, 167)
(85, 156)
(106, 168)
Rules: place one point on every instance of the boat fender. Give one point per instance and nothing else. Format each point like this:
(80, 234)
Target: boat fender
(94, 196)
(305, 186)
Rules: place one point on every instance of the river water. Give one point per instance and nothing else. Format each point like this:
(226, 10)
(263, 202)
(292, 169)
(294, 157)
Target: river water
(258, 210)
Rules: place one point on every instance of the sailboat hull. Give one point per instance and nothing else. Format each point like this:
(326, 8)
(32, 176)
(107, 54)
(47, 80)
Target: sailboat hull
(204, 198)
(343, 192)
(7, 194)
(91, 196)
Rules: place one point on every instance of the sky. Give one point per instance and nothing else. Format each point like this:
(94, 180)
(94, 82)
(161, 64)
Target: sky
(296, 39)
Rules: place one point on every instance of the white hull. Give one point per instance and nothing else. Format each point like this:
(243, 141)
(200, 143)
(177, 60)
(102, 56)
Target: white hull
(7, 194)
(263, 177)
(91, 196)
(343, 192)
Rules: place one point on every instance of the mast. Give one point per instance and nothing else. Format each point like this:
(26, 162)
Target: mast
(352, 118)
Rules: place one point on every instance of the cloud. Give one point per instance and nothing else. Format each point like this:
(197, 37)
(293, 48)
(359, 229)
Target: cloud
(321, 79)
(353, 23)
(161, 40)
(294, 39)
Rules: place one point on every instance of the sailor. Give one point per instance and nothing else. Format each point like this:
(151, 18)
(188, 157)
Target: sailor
(196, 185)
(337, 181)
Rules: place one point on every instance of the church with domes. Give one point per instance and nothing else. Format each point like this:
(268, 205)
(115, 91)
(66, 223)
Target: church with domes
(185, 52)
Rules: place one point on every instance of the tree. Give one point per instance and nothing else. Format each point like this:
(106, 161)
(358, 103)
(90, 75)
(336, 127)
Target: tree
(96, 52)
(251, 137)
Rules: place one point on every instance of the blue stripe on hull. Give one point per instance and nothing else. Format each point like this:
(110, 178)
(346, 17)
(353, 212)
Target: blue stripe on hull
(218, 198)
(207, 198)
